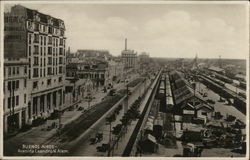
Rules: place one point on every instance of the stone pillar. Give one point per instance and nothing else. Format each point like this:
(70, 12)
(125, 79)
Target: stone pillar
(51, 101)
(26, 115)
(5, 123)
(19, 119)
(56, 100)
(59, 95)
(41, 103)
(45, 103)
(38, 105)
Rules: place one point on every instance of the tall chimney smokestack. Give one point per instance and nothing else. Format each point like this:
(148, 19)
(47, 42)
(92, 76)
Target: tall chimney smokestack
(125, 44)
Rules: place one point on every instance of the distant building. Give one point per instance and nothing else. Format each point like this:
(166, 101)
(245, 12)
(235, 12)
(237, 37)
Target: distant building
(71, 58)
(144, 57)
(101, 72)
(94, 70)
(129, 57)
(217, 70)
(40, 39)
(101, 54)
(195, 63)
(71, 70)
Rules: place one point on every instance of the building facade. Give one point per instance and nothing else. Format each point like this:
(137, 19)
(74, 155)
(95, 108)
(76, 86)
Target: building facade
(129, 58)
(16, 97)
(144, 58)
(40, 39)
(96, 71)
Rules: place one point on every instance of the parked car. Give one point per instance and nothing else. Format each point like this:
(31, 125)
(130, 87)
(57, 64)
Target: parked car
(205, 94)
(98, 138)
(129, 92)
(80, 109)
(112, 92)
(102, 148)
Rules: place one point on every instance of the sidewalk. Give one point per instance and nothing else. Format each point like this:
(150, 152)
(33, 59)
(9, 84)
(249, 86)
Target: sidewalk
(118, 151)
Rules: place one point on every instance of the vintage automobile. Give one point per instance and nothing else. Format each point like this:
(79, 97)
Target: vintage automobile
(98, 138)
(103, 148)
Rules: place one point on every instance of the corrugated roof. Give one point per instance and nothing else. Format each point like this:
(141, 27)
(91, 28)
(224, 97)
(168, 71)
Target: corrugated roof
(217, 69)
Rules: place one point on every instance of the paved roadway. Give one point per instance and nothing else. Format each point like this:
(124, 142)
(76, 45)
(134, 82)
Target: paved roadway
(86, 149)
(222, 107)
(38, 136)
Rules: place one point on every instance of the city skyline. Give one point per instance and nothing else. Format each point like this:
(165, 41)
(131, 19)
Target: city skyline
(169, 30)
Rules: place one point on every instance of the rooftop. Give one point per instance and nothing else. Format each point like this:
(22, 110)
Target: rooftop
(217, 69)
(37, 16)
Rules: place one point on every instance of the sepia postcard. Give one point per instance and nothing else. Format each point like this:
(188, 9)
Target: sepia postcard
(124, 79)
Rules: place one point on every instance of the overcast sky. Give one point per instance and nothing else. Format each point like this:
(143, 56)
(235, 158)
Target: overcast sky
(163, 30)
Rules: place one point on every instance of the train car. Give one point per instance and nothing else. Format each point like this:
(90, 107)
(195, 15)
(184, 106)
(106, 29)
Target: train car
(243, 85)
(162, 86)
(223, 78)
(158, 128)
(170, 102)
(242, 94)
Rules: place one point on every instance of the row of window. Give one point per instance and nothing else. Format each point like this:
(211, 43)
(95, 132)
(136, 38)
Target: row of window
(14, 71)
(14, 85)
(14, 101)
(43, 50)
(35, 84)
(51, 71)
(44, 28)
(87, 75)
(43, 40)
(43, 61)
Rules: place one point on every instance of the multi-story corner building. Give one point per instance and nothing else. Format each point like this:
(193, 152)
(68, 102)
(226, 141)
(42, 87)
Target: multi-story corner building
(94, 70)
(101, 72)
(40, 39)
(15, 89)
(129, 57)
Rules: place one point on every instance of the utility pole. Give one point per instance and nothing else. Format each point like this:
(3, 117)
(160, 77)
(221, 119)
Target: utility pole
(110, 136)
(140, 145)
